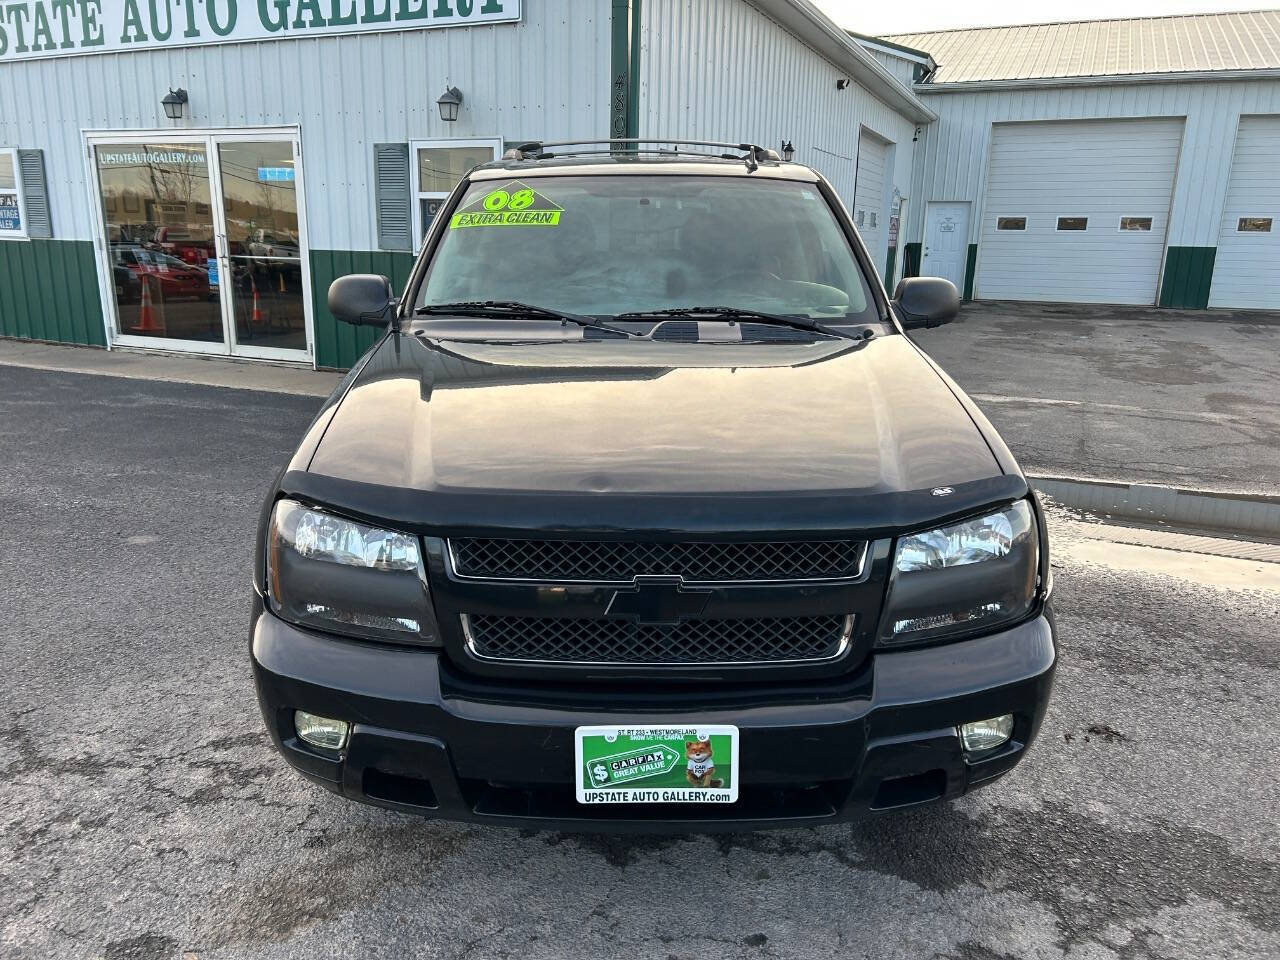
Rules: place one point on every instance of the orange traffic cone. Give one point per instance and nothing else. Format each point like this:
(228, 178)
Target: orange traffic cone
(256, 319)
(146, 315)
(282, 290)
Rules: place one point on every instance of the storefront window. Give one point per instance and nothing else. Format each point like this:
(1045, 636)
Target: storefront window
(438, 165)
(158, 215)
(12, 222)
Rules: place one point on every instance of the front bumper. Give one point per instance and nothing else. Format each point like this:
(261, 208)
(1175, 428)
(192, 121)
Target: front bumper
(884, 738)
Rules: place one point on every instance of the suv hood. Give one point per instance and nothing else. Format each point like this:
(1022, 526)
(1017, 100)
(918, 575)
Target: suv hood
(637, 435)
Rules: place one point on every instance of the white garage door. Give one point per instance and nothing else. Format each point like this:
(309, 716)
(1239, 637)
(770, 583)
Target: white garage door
(1076, 212)
(868, 194)
(1246, 269)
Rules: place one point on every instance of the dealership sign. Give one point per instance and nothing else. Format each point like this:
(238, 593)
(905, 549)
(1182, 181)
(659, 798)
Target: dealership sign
(30, 29)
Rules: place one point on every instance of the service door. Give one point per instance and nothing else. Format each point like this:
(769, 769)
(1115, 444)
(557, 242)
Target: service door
(1077, 211)
(1246, 269)
(946, 241)
(868, 194)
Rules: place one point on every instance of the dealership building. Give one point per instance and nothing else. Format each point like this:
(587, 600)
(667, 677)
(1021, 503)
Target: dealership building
(1115, 161)
(191, 175)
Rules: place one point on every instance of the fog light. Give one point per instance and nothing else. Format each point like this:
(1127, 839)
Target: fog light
(320, 731)
(986, 734)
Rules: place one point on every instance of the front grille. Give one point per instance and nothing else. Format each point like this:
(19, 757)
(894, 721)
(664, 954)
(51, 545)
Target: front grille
(754, 640)
(619, 561)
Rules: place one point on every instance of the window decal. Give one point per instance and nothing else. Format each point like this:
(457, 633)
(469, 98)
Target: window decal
(11, 224)
(513, 205)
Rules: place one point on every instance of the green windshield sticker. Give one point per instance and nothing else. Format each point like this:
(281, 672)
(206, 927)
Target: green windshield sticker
(513, 205)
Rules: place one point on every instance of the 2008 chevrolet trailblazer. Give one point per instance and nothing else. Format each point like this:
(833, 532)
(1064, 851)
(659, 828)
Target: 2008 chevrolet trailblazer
(644, 513)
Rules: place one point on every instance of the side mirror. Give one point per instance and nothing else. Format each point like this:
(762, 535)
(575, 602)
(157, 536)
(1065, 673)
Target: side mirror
(926, 301)
(364, 299)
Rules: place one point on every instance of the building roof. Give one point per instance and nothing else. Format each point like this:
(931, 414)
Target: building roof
(817, 31)
(1199, 43)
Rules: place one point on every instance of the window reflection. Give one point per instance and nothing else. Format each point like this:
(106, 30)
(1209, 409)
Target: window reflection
(260, 202)
(159, 221)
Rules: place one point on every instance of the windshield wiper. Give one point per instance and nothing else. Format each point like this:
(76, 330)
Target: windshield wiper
(513, 309)
(736, 313)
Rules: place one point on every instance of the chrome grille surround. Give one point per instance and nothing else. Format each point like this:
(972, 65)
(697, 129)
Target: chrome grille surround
(621, 561)
(621, 642)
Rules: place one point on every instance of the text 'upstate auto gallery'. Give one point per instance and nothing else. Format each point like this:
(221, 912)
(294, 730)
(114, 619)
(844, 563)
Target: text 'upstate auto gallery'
(57, 27)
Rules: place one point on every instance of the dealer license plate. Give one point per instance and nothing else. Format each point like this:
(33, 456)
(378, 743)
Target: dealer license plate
(654, 764)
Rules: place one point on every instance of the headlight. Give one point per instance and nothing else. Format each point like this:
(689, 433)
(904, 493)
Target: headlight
(969, 576)
(346, 577)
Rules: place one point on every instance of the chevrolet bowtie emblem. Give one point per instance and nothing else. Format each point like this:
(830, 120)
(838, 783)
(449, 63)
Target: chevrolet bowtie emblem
(657, 602)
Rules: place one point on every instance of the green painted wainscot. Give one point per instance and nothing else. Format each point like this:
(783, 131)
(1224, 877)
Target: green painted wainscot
(340, 344)
(49, 291)
(1188, 275)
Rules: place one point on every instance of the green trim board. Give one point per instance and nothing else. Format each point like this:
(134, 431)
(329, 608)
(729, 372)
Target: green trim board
(1188, 275)
(970, 267)
(340, 344)
(888, 266)
(49, 291)
(911, 259)
(624, 69)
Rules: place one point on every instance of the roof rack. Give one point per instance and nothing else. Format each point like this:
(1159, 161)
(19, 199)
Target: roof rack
(752, 154)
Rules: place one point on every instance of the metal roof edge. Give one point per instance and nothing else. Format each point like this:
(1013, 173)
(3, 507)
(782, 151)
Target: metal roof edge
(1106, 79)
(816, 30)
(897, 49)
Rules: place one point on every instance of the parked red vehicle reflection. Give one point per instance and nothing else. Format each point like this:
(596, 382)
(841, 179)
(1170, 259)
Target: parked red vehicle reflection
(168, 276)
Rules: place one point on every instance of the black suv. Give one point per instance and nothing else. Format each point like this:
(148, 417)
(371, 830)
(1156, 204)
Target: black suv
(644, 513)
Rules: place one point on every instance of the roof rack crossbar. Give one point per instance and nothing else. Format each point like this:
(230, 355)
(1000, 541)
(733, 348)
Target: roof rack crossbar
(753, 154)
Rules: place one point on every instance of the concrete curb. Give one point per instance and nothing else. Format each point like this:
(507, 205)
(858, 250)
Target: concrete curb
(1245, 513)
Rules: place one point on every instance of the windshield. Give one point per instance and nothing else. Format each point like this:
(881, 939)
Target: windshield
(606, 245)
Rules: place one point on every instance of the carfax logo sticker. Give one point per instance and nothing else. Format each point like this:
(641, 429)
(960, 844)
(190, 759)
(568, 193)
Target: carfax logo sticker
(514, 205)
(654, 764)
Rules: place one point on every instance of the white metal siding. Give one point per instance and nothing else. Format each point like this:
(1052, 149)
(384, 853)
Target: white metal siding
(722, 70)
(869, 201)
(1246, 270)
(547, 76)
(1102, 170)
(903, 70)
(950, 158)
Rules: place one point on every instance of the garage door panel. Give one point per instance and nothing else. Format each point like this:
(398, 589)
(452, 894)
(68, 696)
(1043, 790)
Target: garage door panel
(1101, 170)
(869, 193)
(1246, 268)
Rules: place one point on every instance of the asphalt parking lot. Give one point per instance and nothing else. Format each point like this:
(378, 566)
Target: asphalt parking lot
(144, 816)
(1184, 398)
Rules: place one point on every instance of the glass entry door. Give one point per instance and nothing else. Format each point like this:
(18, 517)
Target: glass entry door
(260, 268)
(203, 245)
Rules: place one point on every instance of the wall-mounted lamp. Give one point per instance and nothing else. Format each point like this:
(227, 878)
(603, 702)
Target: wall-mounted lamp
(174, 102)
(916, 136)
(788, 151)
(449, 103)
(842, 83)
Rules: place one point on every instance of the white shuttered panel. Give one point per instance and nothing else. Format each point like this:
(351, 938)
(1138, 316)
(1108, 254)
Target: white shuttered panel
(1112, 178)
(1246, 269)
